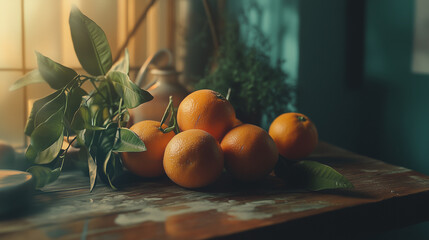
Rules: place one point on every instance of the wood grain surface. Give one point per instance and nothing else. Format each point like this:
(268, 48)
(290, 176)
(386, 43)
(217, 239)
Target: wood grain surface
(385, 197)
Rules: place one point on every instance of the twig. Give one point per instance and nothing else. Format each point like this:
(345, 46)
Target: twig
(211, 24)
(134, 30)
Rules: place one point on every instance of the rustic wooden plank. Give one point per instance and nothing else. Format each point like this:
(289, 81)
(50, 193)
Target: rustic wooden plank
(385, 196)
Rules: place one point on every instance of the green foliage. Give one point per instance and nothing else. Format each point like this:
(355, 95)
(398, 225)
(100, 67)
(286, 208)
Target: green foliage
(132, 94)
(95, 120)
(55, 74)
(29, 78)
(122, 66)
(257, 87)
(311, 175)
(48, 132)
(90, 44)
(46, 156)
(128, 141)
(44, 175)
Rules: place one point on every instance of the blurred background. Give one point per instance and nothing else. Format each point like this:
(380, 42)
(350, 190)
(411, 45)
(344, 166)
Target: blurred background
(358, 69)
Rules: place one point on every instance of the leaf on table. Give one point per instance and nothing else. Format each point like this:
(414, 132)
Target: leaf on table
(320, 176)
(55, 74)
(44, 175)
(132, 95)
(48, 132)
(128, 141)
(311, 175)
(90, 43)
(29, 78)
(123, 65)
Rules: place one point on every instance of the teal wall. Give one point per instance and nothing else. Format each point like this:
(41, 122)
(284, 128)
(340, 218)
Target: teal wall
(387, 116)
(404, 135)
(278, 20)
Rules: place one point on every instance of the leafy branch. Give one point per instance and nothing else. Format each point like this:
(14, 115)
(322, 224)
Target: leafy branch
(95, 120)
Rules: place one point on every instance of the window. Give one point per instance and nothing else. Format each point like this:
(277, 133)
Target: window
(27, 26)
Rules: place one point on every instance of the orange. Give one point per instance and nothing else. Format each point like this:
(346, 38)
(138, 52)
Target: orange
(149, 162)
(193, 159)
(207, 110)
(294, 134)
(250, 153)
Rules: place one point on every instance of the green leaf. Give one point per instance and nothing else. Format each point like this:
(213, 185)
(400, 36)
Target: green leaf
(83, 120)
(122, 65)
(311, 175)
(99, 115)
(92, 166)
(55, 74)
(107, 89)
(90, 44)
(112, 169)
(48, 132)
(128, 141)
(89, 137)
(46, 156)
(74, 99)
(78, 122)
(104, 150)
(320, 176)
(107, 141)
(44, 175)
(133, 95)
(37, 105)
(29, 78)
(86, 138)
(80, 134)
(50, 108)
(31, 153)
(110, 159)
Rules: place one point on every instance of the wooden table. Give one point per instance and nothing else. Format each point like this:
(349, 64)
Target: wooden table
(385, 197)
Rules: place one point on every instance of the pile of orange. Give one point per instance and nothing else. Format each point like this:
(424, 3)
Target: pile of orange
(212, 139)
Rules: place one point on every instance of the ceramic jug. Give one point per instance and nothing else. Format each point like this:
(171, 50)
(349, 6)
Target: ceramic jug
(161, 82)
